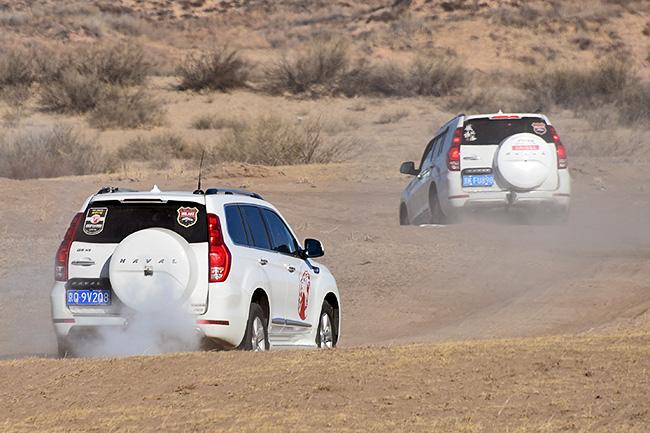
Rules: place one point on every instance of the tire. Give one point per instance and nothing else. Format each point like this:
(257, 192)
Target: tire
(256, 337)
(437, 217)
(63, 348)
(403, 216)
(327, 332)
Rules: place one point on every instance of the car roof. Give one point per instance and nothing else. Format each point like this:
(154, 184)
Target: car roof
(218, 195)
(506, 115)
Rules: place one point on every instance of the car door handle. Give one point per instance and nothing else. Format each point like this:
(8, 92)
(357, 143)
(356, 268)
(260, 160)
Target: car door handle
(82, 263)
(291, 268)
(263, 261)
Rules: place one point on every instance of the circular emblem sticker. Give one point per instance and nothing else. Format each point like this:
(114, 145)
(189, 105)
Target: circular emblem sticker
(303, 294)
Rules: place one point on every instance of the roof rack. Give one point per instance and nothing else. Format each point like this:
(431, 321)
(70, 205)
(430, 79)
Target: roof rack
(227, 191)
(112, 189)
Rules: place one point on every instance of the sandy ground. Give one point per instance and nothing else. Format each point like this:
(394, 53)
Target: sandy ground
(577, 295)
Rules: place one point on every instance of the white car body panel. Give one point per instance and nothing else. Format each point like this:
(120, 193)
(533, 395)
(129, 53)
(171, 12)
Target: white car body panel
(212, 304)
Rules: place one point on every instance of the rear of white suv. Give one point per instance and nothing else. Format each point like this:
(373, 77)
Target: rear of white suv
(498, 161)
(129, 254)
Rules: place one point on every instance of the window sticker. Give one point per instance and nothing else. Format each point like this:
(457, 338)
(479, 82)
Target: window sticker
(470, 134)
(95, 219)
(187, 216)
(539, 128)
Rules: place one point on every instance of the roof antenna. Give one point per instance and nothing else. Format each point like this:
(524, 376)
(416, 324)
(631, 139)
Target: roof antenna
(198, 189)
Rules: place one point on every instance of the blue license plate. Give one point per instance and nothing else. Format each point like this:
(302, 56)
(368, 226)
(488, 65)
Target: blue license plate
(478, 180)
(88, 297)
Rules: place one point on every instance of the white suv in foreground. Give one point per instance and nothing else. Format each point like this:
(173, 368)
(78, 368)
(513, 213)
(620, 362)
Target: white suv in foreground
(224, 258)
(488, 161)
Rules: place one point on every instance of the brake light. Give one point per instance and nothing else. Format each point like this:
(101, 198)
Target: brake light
(63, 253)
(218, 254)
(562, 161)
(453, 156)
(505, 116)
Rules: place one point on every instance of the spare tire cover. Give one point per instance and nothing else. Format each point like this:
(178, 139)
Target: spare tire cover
(152, 269)
(524, 160)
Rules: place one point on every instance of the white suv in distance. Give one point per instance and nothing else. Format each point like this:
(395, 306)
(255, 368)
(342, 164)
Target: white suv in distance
(225, 257)
(488, 161)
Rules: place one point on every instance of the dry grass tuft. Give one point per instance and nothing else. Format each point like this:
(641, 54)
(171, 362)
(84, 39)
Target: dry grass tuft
(16, 68)
(275, 141)
(60, 151)
(221, 69)
(392, 117)
(208, 121)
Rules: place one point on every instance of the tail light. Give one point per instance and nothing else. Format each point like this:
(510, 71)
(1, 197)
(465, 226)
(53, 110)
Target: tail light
(562, 161)
(453, 157)
(63, 253)
(218, 254)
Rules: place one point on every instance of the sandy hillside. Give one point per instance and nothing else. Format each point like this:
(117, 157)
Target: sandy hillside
(425, 309)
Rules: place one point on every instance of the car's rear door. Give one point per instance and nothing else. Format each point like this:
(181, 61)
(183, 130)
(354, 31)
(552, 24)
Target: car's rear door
(481, 139)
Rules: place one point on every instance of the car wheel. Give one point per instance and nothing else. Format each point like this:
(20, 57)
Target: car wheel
(256, 338)
(437, 217)
(64, 350)
(403, 216)
(327, 333)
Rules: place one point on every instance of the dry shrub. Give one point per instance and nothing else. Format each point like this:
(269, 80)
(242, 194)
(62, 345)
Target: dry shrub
(579, 87)
(207, 121)
(72, 92)
(158, 148)
(60, 151)
(16, 68)
(126, 108)
(275, 141)
(122, 64)
(318, 70)
(221, 69)
(326, 68)
(437, 77)
(634, 104)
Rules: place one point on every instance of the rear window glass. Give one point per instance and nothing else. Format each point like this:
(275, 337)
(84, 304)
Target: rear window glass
(236, 228)
(486, 131)
(112, 221)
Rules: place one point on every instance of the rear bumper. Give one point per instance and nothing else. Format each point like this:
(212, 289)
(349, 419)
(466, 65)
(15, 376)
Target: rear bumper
(224, 321)
(537, 200)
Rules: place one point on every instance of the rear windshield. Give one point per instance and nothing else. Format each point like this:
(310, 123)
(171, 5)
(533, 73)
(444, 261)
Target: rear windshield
(485, 131)
(112, 221)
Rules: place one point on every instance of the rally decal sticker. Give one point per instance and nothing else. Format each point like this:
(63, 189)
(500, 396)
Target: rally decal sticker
(187, 216)
(303, 294)
(95, 219)
(525, 147)
(470, 134)
(539, 128)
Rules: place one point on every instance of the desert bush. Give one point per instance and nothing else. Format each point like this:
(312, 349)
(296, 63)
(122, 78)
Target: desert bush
(160, 147)
(126, 108)
(72, 92)
(221, 69)
(60, 151)
(634, 104)
(318, 70)
(275, 141)
(16, 68)
(121, 64)
(207, 121)
(436, 77)
(579, 87)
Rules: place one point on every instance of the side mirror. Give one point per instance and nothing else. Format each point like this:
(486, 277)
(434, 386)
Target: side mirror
(408, 168)
(313, 249)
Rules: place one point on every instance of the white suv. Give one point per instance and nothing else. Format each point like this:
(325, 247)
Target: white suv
(488, 161)
(227, 258)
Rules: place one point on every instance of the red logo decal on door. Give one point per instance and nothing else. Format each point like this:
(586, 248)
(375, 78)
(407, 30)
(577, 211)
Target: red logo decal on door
(303, 294)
